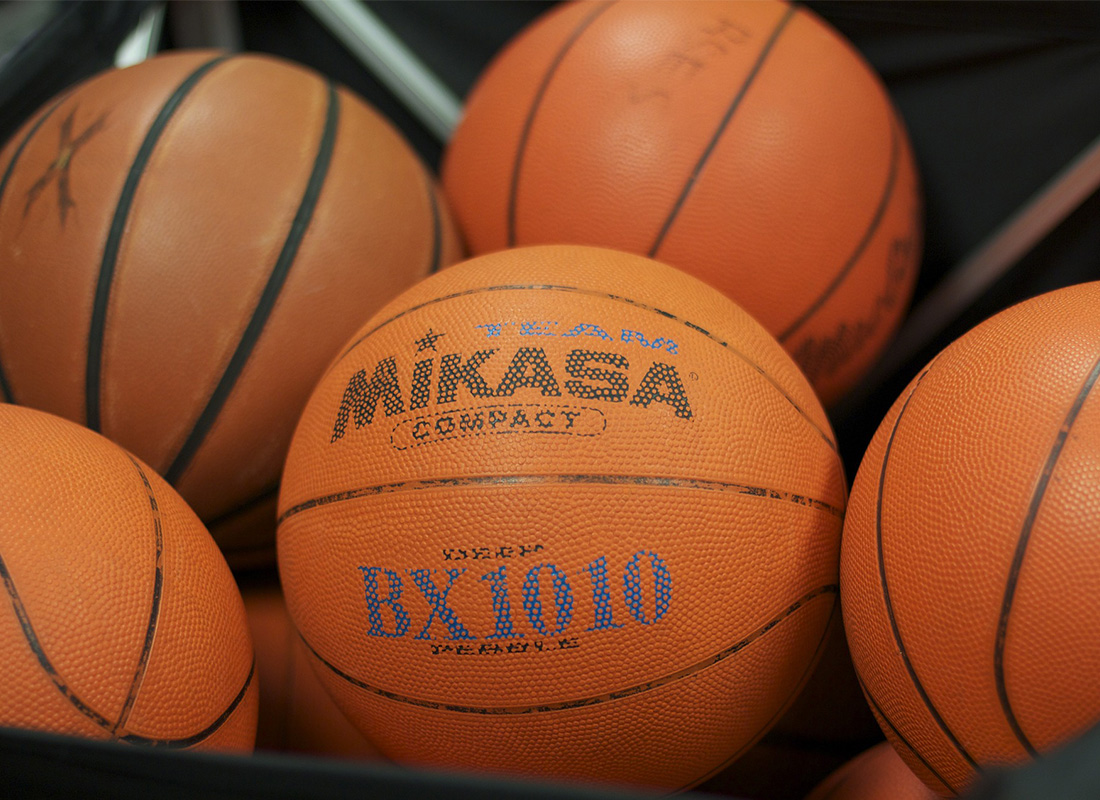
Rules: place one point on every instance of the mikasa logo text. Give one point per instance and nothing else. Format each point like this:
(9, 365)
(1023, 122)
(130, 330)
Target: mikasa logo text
(584, 374)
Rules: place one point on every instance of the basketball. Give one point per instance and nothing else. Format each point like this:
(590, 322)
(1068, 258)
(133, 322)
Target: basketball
(563, 512)
(746, 143)
(969, 567)
(184, 244)
(828, 720)
(120, 618)
(877, 774)
(295, 713)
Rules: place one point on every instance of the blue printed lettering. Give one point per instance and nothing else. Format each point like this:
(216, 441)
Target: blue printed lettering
(632, 587)
(438, 601)
(601, 596)
(375, 603)
(502, 606)
(587, 329)
(563, 600)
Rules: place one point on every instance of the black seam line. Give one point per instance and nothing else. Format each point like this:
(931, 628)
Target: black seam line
(84, 708)
(40, 653)
(521, 147)
(630, 691)
(869, 234)
(646, 481)
(265, 495)
(268, 298)
(779, 712)
(96, 331)
(592, 293)
(902, 739)
(154, 611)
(437, 233)
(886, 591)
(205, 733)
(5, 387)
(1021, 550)
(760, 59)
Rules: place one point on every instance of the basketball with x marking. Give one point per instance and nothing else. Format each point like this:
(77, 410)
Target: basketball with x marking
(747, 143)
(970, 568)
(184, 244)
(119, 618)
(565, 512)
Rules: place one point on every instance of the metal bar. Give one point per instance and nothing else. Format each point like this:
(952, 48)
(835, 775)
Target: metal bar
(984, 265)
(395, 65)
(144, 41)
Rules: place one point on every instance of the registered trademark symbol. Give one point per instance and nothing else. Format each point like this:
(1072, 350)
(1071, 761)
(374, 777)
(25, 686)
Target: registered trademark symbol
(693, 375)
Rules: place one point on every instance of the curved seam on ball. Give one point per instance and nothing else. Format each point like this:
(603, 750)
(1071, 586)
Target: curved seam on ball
(779, 712)
(940, 722)
(270, 295)
(755, 69)
(872, 229)
(206, 732)
(646, 481)
(87, 711)
(608, 296)
(97, 328)
(5, 386)
(40, 653)
(1021, 548)
(521, 147)
(154, 611)
(902, 739)
(586, 701)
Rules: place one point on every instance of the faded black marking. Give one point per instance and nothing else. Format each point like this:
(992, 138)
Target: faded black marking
(760, 59)
(861, 246)
(58, 169)
(6, 394)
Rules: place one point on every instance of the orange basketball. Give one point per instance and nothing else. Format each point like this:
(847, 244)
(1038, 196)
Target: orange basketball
(828, 721)
(565, 512)
(746, 143)
(970, 569)
(877, 774)
(120, 619)
(295, 714)
(184, 245)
